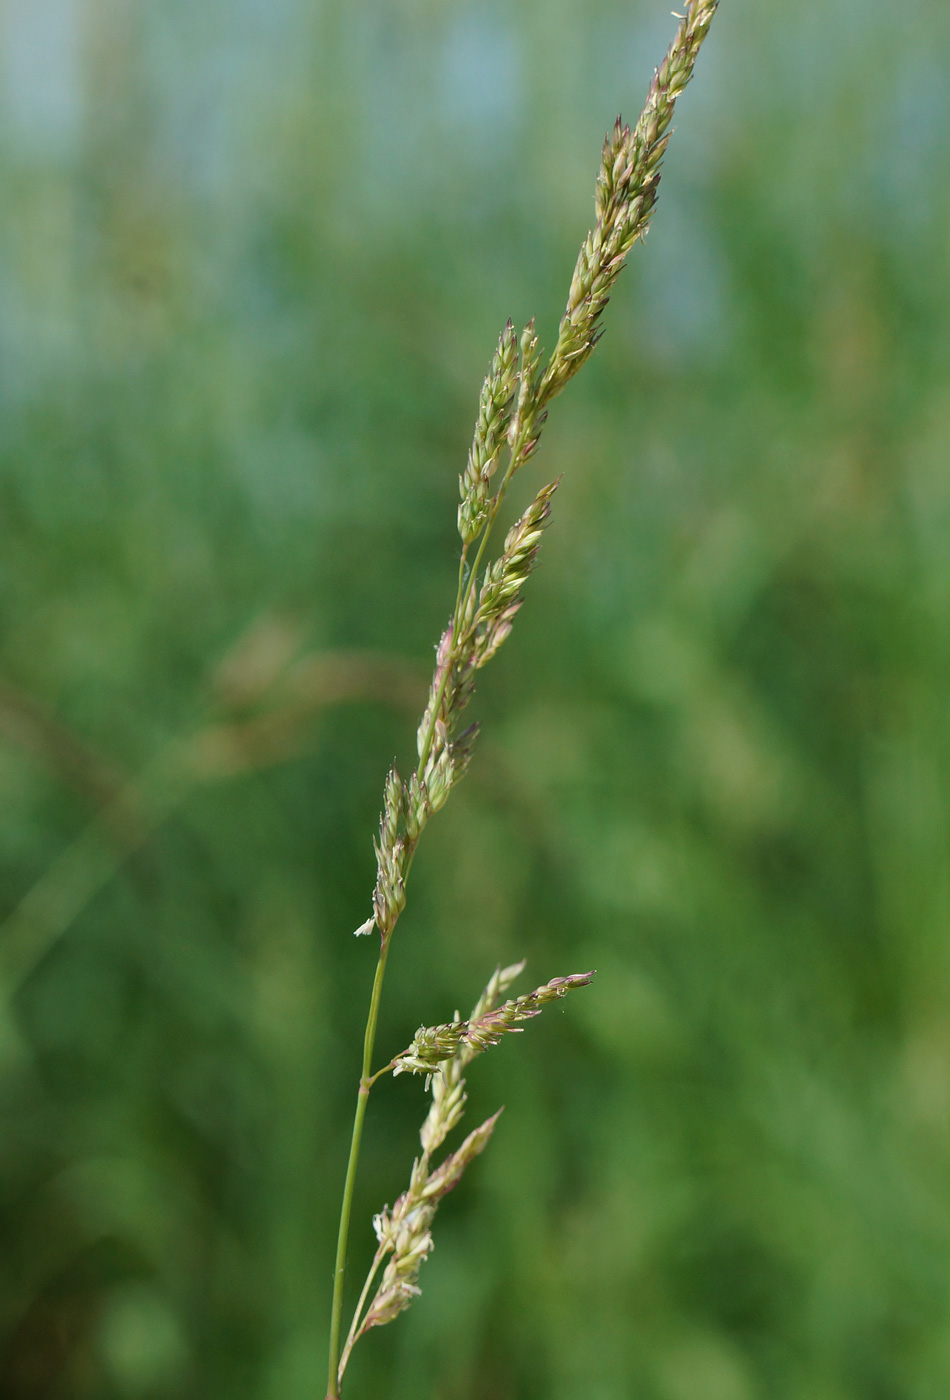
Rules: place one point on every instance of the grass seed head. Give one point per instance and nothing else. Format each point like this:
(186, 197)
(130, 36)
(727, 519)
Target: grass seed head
(511, 414)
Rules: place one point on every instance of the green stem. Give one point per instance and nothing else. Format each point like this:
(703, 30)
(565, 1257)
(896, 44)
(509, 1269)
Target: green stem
(362, 1098)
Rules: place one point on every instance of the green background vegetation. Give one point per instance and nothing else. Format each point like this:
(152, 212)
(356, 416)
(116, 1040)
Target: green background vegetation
(254, 258)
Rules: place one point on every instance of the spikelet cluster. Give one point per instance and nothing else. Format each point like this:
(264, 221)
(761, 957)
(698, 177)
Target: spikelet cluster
(389, 896)
(404, 1233)
(626, 195)
(500, 595)
(433, 1045)
(469, 641)
(448, 1087)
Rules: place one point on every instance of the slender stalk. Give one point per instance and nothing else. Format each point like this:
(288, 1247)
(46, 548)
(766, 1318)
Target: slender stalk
(358, 1314)
(362, 1099)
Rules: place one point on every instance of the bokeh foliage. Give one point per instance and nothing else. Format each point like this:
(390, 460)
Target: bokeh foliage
(253, 261)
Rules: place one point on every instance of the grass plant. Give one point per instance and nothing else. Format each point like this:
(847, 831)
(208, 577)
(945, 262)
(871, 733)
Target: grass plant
(714, 762)
(513, 407)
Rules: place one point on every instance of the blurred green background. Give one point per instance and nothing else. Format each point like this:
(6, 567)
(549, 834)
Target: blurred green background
(254, 258)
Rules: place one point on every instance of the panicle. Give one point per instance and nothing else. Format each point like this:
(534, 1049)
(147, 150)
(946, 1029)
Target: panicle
(511, 415)
(512, 410)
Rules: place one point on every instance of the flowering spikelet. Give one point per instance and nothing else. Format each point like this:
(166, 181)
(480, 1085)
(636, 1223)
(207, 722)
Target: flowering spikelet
(389, 897)
(524, 429)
